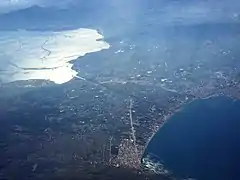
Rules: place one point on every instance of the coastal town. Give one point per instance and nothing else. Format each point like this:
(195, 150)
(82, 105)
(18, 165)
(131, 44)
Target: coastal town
(104, 119)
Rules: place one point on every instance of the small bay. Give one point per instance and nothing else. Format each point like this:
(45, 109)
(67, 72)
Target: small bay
(202, 141)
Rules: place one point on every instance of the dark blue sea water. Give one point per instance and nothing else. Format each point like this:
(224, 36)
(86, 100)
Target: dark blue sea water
(201, 141)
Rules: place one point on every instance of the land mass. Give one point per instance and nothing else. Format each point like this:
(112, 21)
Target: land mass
(107, 114)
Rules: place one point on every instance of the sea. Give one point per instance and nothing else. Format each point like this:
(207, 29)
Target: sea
(202, 141)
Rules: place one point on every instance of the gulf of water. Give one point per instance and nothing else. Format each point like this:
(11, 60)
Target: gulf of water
(202, 141)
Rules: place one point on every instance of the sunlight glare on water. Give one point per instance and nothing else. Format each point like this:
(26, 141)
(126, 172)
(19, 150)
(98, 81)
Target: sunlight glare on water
(28, 55)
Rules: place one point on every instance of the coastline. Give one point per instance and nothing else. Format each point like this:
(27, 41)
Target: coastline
(46, 56)
(199, 124)
(178, 109)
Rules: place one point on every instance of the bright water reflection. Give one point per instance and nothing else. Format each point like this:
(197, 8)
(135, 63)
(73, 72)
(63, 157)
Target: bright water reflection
(28, 55)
